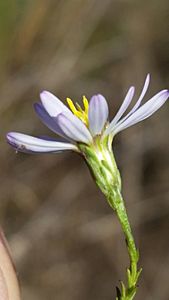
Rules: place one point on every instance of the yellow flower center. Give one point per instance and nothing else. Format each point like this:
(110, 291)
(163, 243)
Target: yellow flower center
(82, 114)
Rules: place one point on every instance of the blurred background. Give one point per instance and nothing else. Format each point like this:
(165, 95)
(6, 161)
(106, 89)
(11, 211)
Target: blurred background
(65, 240)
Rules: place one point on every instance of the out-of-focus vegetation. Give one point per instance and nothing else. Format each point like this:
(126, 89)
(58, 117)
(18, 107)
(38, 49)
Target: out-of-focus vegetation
(65, 240)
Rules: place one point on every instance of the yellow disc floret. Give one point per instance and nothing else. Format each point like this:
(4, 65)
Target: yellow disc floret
(82, 114)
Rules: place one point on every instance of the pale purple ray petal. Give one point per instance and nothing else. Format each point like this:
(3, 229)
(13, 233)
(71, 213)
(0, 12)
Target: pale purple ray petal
(74, 128)
(144, 111)
(98, 114)
(26, 143)
(121, 111)
(52, 104)
(136, 106)
(49, 121)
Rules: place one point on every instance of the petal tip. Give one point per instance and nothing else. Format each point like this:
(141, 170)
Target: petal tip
(37, 107)
(164, 92)
(132, 89)
(45, 95)
(167, 93)
(43, 92)
(98, 97)
(9, 135)
(11, 139)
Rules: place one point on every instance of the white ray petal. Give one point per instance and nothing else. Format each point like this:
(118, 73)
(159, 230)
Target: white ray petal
(144, 111)
(136, 106)
(52, 104)
(26, 143)
(49, 121)
(121, 111)
(74, 128)
(98, 114)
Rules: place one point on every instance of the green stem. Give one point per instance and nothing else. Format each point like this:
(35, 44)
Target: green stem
(128, 292)
(101, 162)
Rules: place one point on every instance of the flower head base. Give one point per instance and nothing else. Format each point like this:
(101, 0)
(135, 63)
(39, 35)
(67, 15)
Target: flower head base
(88, 126)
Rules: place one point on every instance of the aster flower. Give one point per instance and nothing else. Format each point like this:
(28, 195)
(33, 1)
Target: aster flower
(88, 131)
(76, 125)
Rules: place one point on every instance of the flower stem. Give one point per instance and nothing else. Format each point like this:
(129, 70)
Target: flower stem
(101, 162)
(127, 292)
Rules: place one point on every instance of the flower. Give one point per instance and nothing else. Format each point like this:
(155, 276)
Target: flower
(79, 126)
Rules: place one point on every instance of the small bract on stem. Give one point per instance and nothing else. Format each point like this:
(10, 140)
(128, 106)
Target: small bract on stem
(88, 131)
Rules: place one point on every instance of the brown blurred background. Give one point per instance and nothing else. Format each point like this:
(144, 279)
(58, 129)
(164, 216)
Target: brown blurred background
(65, 239)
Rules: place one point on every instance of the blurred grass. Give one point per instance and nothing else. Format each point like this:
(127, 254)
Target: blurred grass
(65, 240)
